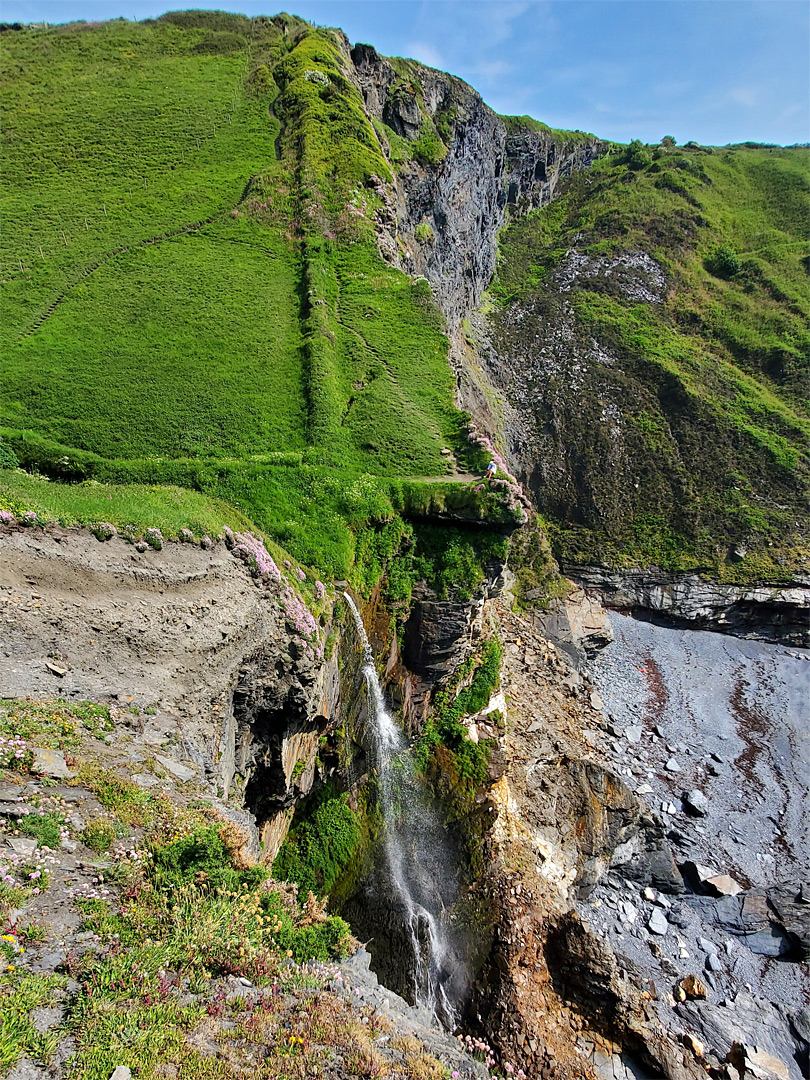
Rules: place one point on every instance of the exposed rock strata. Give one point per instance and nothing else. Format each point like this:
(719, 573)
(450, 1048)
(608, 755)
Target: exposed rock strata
(770, 612)
(198, 656)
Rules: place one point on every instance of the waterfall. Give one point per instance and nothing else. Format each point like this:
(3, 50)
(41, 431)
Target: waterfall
(419, 862)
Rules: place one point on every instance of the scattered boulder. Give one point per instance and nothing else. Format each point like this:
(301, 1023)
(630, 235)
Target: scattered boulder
(144, 780)
(749, 917)
(25, 1069)
(697, 874)
(122, 1072)
(696, 803)
(56, 669)
(23, 845)
(673, 765)
(757, 1063)
(789, 901)
(50, 763)
(658, 923)
(722, 885)
(182, 772)
(633, 733)
(801, 1023)
(692, 987)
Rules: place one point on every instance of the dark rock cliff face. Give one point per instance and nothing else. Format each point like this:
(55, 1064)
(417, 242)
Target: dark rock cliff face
(776, 613)
(464, 199)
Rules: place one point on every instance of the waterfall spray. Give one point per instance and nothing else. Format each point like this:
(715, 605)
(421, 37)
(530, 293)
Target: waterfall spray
(415, 848)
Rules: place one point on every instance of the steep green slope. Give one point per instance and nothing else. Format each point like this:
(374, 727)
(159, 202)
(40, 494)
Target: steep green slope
(192, 290)
(671, 418)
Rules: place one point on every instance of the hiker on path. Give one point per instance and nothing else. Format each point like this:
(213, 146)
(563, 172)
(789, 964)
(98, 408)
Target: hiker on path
(492, 468)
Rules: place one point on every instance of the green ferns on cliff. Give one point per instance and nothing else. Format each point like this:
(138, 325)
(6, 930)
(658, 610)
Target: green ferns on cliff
(321, 843)
(687, 434)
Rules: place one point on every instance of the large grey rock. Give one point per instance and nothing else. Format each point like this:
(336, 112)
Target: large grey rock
(793, 913)
(696, 802)
(25, 1069)
(697, 874)
(50, 763)
(658, 923)
(749, 918)
(757, 1063)
(747, 1020)
(497, 169)
(722, 885)
(176, 768)
(801, 1024)
(23, 845)
(144, 780)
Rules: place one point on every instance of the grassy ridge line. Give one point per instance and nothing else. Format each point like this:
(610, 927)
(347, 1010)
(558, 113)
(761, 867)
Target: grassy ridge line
(185, 363)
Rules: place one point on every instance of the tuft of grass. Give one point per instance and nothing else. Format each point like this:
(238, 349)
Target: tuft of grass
(44, 826)
(99, 836)
(20, 992)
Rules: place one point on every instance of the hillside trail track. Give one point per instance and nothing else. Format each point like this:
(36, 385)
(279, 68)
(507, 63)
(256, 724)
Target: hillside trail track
(170, 234)
(449, 478)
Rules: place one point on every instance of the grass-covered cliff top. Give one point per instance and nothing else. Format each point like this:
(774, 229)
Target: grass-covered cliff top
(191, 289)
(687, 433)
(193, 298)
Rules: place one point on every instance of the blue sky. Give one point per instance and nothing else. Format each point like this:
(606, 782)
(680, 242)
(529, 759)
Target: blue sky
(716, 71)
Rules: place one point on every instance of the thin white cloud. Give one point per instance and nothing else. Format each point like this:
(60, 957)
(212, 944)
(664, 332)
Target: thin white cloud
(426, 53)
(501, 16)
(744, 95)
(491, 69)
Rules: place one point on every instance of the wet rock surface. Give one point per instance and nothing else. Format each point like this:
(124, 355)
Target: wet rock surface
(735, 713)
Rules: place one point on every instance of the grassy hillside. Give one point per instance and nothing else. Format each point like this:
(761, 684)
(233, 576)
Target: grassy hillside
(192, 294)
(689, 429)
(193, 298)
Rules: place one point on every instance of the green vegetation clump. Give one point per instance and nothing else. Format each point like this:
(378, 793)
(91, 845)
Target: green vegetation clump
(56, 724)
(20, 994)
(321, 843)
(44, 826)
(444, 746)
(99, 836)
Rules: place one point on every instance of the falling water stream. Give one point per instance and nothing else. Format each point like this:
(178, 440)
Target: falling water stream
(419, 862)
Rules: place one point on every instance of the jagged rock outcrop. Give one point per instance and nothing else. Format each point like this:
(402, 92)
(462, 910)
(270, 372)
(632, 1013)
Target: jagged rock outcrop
(490, 167)
(198, 655)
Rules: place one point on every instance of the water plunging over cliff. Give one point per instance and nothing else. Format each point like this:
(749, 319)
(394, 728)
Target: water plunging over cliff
(420, 863)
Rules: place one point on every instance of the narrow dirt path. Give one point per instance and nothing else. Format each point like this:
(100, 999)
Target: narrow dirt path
(88, 270)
